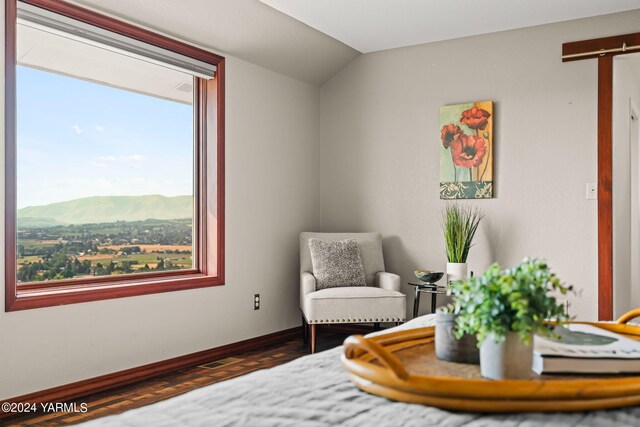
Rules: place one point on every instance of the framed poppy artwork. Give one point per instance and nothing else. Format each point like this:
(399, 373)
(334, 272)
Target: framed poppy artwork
(466, 151)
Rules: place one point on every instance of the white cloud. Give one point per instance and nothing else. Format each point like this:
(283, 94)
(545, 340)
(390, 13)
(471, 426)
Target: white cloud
(99, 128)
(77, 129)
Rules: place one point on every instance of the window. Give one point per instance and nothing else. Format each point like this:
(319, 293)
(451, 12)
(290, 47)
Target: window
(114, 159)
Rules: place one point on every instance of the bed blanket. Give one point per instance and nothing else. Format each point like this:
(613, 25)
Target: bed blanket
(315, 391)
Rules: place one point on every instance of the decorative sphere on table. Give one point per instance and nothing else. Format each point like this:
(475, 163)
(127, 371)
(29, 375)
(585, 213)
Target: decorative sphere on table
(428, 276)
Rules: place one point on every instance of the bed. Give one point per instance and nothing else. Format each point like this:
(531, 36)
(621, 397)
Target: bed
(315, 391)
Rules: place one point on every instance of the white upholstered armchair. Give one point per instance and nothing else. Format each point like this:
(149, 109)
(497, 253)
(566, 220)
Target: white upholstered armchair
(379, 301)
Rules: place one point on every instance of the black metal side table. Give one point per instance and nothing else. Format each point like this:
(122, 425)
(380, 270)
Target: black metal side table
(428, 288)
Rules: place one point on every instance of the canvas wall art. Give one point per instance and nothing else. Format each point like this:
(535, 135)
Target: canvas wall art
(466, 151)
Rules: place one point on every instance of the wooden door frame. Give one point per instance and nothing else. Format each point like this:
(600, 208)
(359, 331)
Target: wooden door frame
(604, 49)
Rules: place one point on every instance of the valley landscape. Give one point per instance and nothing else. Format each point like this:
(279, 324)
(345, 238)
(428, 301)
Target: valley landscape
(101, 236)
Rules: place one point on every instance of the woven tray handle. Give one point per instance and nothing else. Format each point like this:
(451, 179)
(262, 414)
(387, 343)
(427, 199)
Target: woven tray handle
(627, 317)
(357, 342)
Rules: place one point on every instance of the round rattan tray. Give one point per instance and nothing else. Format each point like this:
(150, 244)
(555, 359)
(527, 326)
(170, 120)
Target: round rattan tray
(403, 366)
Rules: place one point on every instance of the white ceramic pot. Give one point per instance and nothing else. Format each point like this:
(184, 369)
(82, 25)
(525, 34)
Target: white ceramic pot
(509, 359)
(456, 271)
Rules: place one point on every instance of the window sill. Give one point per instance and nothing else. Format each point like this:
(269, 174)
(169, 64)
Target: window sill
(38, 297)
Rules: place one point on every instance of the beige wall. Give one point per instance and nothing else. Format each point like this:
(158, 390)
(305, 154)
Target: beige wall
(380, 135)
(271, 195)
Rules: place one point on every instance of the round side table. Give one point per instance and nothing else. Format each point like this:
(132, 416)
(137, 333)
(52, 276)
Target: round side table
(428, 288)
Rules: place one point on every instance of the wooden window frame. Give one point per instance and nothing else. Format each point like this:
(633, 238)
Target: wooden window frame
(209, 111)
(605, 49)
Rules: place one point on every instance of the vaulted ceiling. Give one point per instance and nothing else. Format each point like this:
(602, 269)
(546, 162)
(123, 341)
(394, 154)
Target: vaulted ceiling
(246, 29)
(311, 40)
(371, 25)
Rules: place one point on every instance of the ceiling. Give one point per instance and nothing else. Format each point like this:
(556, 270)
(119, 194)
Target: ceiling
(311, 40)
(246, 29)
(372, 25)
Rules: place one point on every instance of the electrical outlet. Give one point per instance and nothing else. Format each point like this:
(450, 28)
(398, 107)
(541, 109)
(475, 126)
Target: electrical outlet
(256, 302)
(592, 191)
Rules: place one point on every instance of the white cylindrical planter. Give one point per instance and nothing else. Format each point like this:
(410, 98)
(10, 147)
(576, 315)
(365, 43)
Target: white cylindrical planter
(456, 271)
(509, 359)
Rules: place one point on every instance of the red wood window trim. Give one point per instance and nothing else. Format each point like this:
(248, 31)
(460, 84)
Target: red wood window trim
(209, 136)
(605, 150)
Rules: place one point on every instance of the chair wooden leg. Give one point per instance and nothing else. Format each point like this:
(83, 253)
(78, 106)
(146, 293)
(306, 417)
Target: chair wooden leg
(305, 330)
(313, 338)
(376, 326)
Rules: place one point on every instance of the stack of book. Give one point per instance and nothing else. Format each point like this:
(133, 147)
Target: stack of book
(585, 349)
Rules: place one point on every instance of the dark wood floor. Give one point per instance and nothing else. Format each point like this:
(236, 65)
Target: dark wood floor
(163, 387)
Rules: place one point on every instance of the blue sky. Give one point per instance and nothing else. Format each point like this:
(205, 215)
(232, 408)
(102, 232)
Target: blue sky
(79, 139)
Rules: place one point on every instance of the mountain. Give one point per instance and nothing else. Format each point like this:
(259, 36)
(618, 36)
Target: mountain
(107, 209)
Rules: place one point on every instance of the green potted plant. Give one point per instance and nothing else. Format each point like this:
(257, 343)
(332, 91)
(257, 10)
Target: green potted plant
(504, 309)
(459, 224)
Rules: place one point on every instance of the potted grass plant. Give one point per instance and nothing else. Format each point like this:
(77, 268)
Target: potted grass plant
(459, 224)
(504, 309)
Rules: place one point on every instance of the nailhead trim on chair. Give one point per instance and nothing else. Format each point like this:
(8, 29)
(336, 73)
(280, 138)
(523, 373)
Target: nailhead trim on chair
(311, 322)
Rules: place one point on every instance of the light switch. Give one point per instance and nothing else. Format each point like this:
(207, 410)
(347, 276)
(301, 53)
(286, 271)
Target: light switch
(592, 191)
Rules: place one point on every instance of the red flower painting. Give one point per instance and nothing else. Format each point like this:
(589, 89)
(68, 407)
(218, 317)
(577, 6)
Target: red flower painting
(466, 134)
(468, 151)
(449, 133)
(475, 118)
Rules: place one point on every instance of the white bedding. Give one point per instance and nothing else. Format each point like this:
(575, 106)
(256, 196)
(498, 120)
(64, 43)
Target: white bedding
(315, 391)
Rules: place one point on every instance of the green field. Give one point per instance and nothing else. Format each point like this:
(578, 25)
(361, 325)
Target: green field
(30, 258)
(124, 247)
(182, 260)
(37, 244)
